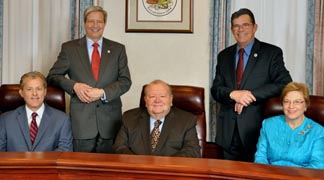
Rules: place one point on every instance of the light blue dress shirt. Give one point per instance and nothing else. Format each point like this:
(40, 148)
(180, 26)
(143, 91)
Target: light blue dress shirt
(280, 145)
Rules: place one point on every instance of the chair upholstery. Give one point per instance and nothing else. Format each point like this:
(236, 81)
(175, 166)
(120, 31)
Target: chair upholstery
(315, 111)
(191, 99)
(10, 98)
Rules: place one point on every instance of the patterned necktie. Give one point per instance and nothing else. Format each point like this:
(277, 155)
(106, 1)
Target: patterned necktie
(33, 128)
(239, 68)
(95, 61)
(155, 135)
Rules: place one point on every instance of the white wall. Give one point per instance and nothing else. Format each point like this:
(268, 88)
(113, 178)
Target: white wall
(175, 58)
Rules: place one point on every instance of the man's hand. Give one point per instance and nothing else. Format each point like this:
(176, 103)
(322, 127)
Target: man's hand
(81, 91)
(243, 97)
(238, 108)
(94, 94)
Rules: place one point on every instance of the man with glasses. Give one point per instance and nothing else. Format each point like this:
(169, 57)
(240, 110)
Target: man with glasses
(247, 73)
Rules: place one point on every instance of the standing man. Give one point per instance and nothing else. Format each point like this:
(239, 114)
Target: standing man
(247, 73)
(98, 75)
(158, 129)
(35, 126)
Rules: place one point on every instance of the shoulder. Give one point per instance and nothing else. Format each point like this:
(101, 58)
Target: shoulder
(112, 43)
(13, 113)
(55, 112)
(75, 42)
(182, 115)
(228, 51)
(317, 128)
(135, 113)
(264, 46)
(138, 110)
(133, 117)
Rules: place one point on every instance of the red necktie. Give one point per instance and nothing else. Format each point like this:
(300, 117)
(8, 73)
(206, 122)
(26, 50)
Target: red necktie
(239, 68)
(155, 135)
(95, 61)
(33, 128)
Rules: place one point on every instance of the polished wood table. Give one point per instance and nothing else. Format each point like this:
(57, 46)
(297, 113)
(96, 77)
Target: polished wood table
(72, 165)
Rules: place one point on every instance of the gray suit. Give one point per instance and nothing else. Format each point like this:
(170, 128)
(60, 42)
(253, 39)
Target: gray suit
(89, 119)
(178, 136)
(54, 132)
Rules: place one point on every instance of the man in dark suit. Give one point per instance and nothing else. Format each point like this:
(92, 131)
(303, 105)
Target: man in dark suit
(177, 128)
(264, 76)
(98, 75)
(53, 128)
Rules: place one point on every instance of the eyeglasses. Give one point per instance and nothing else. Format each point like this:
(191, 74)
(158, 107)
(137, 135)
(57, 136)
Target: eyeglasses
(244, 26)
(294, 102)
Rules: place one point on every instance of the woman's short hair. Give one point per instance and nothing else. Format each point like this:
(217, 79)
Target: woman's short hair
(295, 86)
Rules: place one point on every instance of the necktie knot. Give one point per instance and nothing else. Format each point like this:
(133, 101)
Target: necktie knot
(95, 45)
(34, 115)
(157, 123)
(241, 52)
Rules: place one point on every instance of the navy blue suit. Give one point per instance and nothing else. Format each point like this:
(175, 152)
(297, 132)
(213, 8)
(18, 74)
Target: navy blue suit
(265, 76)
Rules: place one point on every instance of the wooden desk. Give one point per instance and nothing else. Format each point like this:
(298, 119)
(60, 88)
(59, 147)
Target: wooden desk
(68, 165)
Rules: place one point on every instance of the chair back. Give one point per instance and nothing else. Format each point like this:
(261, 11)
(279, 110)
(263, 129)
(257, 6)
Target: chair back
(315, 111)
(191, 99)
(10, 98)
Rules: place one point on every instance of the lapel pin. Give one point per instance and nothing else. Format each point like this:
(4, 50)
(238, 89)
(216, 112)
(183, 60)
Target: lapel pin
(255, 55)
(108, 51)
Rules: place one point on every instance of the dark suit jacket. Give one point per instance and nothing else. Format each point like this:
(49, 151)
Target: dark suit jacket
(265, 76)
(54, 132)
(114, 78)
(178, 136)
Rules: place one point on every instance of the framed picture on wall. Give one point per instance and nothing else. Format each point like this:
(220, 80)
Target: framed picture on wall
(162, 16)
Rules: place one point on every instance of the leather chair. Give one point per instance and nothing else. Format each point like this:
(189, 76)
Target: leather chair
(10, 98)
(191, 99)
(315, 111)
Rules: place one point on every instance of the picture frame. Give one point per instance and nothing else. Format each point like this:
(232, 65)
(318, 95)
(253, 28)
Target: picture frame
(159, 16)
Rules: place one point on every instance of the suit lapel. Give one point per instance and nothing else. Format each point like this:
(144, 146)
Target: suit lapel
(106, 51)
(145, 132)
(84, 57)
(231, 66)
(43, 126)
(251, 62)
(23, 124)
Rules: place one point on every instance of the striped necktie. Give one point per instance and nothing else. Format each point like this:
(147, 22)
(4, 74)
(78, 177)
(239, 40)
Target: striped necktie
(33, 128)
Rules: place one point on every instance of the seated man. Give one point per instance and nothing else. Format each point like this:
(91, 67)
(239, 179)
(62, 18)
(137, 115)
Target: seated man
(35, 126)
(158, 129)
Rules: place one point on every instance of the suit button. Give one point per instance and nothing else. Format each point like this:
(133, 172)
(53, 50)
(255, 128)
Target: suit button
(97, 105)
